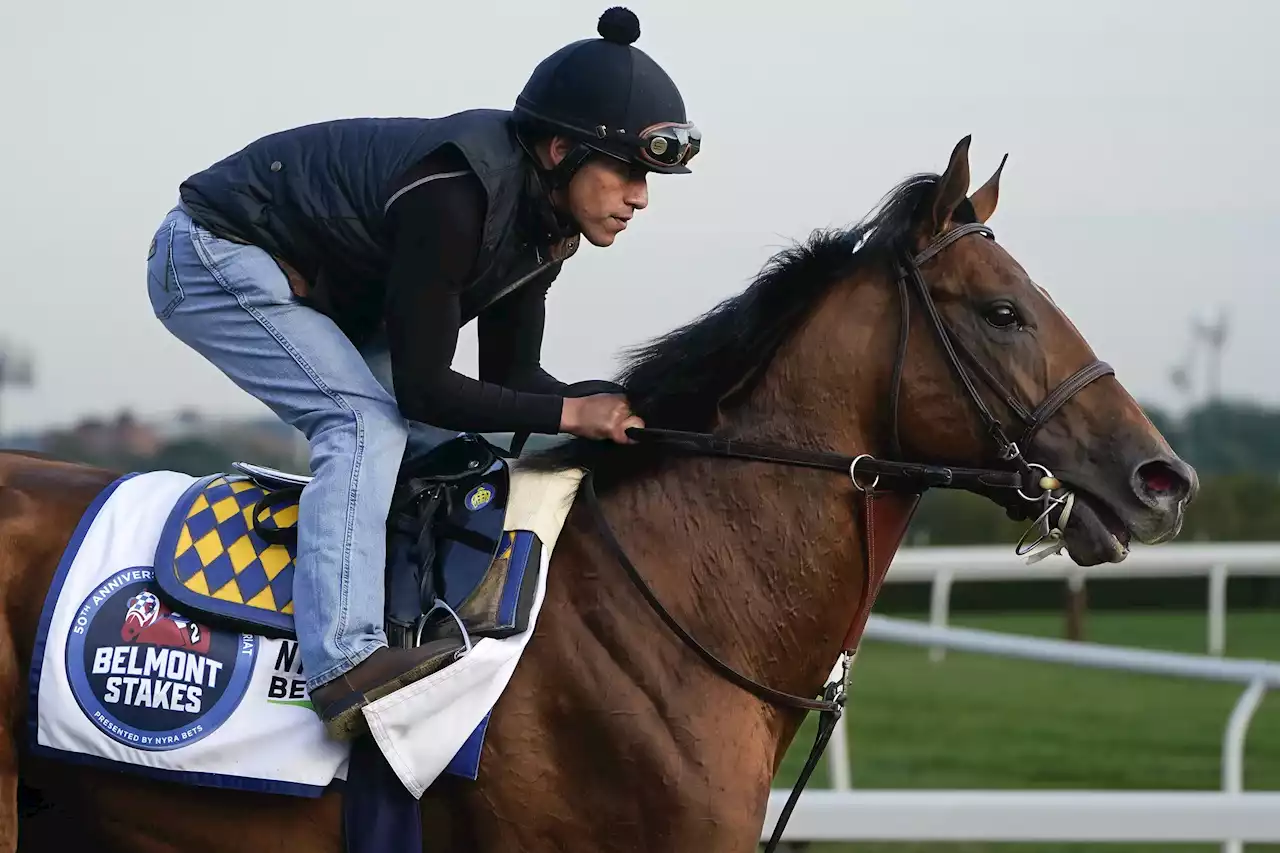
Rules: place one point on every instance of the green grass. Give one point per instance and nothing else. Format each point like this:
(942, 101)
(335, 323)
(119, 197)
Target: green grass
(975, 721)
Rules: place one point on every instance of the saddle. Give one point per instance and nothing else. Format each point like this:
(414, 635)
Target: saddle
(226, 555)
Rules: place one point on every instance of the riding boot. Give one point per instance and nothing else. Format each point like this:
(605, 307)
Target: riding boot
(339, 702)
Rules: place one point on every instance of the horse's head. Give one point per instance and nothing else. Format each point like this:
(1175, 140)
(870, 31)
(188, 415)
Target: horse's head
(144, 611)
(1037, 378)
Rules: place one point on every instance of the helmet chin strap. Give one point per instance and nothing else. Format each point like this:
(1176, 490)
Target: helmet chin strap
(564, 171)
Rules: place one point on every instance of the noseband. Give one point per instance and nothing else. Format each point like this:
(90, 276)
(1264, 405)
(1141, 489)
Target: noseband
(899, 475)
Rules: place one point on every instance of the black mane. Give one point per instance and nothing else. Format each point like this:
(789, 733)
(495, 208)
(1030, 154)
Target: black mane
(681, 379)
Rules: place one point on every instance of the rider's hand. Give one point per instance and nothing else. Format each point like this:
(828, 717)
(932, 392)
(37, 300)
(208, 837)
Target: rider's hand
(599, 416)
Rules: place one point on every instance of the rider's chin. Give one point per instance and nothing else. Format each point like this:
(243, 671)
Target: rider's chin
(599, 237)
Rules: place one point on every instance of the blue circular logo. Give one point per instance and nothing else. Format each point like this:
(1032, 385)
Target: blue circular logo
(479, 497)
(147, 676)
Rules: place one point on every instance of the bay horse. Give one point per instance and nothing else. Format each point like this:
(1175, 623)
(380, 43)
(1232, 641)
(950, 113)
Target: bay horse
(613, 734)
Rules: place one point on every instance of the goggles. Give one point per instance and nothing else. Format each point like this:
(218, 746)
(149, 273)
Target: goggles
(669, 144)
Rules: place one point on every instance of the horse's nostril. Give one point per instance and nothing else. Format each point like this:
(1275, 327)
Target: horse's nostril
(1162, 480)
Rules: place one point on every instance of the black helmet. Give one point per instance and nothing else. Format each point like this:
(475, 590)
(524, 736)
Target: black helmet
(611, 98)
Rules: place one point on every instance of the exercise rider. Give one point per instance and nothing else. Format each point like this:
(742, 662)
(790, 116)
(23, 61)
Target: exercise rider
(327, 269)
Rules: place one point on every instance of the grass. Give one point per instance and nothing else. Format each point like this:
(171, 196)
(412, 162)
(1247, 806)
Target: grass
(975, 721)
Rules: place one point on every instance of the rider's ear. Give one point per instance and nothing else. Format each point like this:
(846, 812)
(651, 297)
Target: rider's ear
(559, 148)
(984, 200)
(950, 191)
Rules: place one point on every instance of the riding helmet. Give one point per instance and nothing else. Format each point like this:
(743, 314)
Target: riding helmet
(612, 98)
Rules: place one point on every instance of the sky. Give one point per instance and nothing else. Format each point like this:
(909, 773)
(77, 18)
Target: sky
(1140, 190)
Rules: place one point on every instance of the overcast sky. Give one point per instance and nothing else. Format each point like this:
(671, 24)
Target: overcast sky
(1141, 187)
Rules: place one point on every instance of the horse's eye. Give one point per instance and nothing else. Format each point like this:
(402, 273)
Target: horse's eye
(1002, 315)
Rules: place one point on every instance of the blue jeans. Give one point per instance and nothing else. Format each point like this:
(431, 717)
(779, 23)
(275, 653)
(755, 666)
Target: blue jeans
(232, 304)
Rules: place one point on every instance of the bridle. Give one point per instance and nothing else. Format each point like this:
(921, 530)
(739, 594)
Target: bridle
(898, 475)
(1009, 450)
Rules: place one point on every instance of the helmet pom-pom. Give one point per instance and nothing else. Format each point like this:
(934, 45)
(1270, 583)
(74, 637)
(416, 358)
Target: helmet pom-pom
(619, 25)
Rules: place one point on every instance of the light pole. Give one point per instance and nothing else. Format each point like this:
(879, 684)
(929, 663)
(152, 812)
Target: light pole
(15, 371)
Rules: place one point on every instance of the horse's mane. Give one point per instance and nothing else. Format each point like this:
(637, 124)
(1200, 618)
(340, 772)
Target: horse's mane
(682, 379)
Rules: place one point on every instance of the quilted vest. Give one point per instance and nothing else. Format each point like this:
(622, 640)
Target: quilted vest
(314, 196)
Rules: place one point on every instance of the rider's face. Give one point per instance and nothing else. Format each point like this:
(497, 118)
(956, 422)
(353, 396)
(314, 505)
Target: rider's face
(603, 196)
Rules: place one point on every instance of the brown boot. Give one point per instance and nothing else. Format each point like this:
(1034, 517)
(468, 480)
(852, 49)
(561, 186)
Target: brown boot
(339, 702)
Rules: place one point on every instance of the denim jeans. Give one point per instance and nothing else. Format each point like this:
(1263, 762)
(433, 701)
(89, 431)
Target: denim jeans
(232, 304)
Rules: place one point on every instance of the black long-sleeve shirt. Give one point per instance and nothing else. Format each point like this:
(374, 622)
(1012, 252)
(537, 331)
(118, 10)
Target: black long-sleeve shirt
(436, 220)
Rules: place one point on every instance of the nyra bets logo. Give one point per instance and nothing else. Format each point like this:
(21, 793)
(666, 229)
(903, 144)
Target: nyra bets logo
(146, 675)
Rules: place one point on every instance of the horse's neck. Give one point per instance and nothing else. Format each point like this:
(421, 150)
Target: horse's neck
(764, 564)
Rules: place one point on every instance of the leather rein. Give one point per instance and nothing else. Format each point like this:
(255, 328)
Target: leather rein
(898, 476)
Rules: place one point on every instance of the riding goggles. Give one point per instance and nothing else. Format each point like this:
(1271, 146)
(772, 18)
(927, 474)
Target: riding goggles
(669, 144)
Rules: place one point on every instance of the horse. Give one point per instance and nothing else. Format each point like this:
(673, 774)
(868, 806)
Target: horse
(639, 717)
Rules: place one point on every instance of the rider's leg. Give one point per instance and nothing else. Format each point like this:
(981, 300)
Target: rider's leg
(232, 304)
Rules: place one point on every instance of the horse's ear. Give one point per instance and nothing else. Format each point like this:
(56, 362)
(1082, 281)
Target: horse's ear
(984, 200)
(951, 189)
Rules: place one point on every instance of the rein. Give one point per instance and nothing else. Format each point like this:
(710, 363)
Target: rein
(903, 477)
(905, 473)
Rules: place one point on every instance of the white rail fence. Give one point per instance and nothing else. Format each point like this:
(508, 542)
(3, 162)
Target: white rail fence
(1230, 816)
(1029, 816)
(943, 566)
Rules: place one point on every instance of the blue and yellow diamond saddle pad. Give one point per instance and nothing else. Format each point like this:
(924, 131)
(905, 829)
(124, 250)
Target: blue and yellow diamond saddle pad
(210, 561)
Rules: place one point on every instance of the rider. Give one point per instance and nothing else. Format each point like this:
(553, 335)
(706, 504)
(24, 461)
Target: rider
(326, 270)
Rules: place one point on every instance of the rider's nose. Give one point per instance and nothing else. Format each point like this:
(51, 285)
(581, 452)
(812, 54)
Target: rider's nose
(638, 196)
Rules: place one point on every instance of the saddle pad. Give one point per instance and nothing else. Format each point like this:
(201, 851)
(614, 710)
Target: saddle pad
(210, 559)
(120, 680)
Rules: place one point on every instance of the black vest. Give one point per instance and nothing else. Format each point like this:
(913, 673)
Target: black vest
(314, 196)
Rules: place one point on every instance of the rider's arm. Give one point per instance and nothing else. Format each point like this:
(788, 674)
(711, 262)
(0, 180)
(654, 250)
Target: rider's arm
(436, 229)
(510, 338)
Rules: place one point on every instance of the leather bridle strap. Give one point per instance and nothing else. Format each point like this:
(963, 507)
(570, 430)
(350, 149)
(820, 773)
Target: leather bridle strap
(1064, 392)
(1034, 419)
(1010, 449)
(927, 254)
(948, 341)
(911, 476)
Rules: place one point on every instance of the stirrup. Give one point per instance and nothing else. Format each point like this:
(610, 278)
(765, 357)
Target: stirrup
(421, 625)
